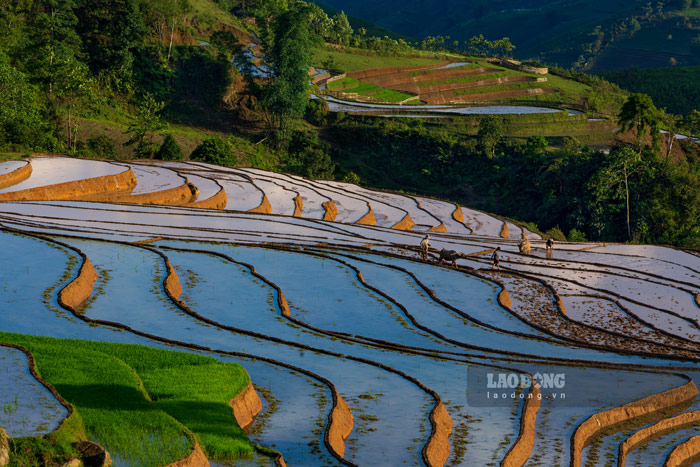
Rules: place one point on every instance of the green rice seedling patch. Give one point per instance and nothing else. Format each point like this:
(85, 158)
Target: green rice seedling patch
(351, 85)
(141, 403)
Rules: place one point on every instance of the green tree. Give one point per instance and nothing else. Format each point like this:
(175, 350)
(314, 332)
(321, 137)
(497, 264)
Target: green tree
(144, 125)
(73, 91)
(342, 31)
(284, 98)
(110, 30)
(490, 133)
(169, 150)
(691, 123)
(613, 180)
(639, 113)
(51, 41)
(536, 145)
(20, 106)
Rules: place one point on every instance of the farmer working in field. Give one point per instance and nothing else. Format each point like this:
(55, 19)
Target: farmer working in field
(549, 246)
(424, 247)
(495, 259)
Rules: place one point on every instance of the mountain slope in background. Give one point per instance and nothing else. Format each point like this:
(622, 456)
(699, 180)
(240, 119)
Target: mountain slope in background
(564, 32)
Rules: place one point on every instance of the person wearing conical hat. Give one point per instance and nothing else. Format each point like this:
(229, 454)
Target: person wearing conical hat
(424, 247)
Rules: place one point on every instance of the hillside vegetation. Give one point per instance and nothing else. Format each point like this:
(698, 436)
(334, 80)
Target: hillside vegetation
(675, 88)
(565, 33)
(112, 86)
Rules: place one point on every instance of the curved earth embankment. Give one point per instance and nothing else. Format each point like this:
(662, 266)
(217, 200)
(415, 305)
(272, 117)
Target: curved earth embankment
(648, 405)
(684, 453)
(645, 434)
(246, 406)
(263, 208)
(16, 176)
(84, 189)
(437, 451)
(521, 450)
(367, 219)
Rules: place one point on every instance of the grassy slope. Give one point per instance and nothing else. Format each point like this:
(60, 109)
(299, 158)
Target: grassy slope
(359, 61)
(137, 400)
(208, 16)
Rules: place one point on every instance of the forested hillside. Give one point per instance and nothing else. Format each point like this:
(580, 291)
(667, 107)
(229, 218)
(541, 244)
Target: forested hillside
(583, 33)
(228, 83)
(675, 88)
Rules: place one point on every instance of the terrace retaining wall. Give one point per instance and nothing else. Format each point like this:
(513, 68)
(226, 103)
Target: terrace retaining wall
(647, 405)
(437, 450)
(246, 406)
(521, 450)
(517, 65)
(75, 190)
(367, 219)
(645, 434)
(263, 208)
(195, 459)
(177, 196)
(340, 425)
(684, 452)
(79, 289)
(504, 299)
(172, 281)
(457, 214)
(438, 228)
(470, 84)
(450, 97)
(4, 447)
(404, 224)
(218, 201)
(16, 176)
(370, 72)
(396, 79)
(318, 79)
(366, 99)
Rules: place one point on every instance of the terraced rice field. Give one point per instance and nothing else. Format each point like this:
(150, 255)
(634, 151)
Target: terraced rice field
(361, 352)
(444, 83)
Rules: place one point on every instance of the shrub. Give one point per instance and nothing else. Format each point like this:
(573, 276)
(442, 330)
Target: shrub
(576, 236)
(536, 145)
(556, 234)
(316, 111)
(352, 177)
(169, 150)
(98, 146)
(309, 157)
(215, 150)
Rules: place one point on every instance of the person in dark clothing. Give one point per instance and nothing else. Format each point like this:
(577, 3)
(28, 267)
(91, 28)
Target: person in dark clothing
(549, 246)
(495, 260)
